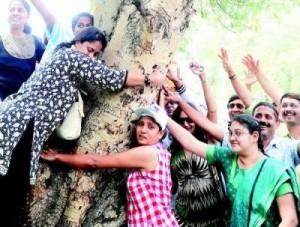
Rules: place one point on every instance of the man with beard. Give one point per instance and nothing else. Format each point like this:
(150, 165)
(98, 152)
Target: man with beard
(284, 149)
(290, 113)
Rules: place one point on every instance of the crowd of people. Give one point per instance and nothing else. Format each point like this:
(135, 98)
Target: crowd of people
(186, 168)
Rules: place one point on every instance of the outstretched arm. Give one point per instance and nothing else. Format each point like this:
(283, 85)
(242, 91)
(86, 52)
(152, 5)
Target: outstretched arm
(156, 78)
(268, 85)
(45, 13)
(211, 127)
(186, 139)
(208, 94)
(141, 157)
(239, 88)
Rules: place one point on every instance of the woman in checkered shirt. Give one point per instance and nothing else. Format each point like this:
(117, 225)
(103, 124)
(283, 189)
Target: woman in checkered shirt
(149, 182)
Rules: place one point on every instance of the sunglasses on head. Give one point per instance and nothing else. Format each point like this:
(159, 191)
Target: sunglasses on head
(238, 106)
(185, 119)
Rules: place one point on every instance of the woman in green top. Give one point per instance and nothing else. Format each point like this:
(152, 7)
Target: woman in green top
(262, 191)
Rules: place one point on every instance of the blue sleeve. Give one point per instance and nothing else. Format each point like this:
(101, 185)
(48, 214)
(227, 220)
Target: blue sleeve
(39, 48)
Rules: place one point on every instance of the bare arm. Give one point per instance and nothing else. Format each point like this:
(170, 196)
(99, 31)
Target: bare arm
(156, 78)
(186, 139)
(287, 210)
(45, 13)
(268, 85)
(141, 157)
(208, 94)
(240, 89)
(197, 117)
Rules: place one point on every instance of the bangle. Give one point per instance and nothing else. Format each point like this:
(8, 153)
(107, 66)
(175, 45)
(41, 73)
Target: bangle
(147, 80)
(232, 77)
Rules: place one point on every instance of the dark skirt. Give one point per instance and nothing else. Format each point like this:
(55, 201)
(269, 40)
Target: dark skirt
(15, 185)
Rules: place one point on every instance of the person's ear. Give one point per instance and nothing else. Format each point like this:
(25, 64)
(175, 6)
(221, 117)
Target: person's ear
(162, 134)
(255, 136)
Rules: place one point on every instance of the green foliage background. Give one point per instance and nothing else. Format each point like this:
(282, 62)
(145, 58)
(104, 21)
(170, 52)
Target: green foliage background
(267, 29)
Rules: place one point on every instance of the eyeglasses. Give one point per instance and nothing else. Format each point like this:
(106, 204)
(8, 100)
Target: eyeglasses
(185, 119)
(237, 133)
(238, 106)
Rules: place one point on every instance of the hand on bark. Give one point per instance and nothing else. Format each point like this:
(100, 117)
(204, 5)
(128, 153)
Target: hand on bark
(251, 64)
(225, 61)
(157, 77)
(50, 155)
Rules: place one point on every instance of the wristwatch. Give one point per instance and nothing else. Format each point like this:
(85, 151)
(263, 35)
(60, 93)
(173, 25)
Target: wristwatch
(147, 80)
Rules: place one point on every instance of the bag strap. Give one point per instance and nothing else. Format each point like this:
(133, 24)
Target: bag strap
(252, 190)
(80, 105)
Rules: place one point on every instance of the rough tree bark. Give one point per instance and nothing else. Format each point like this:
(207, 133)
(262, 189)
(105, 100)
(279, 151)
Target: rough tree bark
(141, 34)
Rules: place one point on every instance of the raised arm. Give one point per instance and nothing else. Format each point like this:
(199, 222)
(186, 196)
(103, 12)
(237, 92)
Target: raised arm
(183, 91)
(268, 85)
(211, 127)
(239, 88)
(207, 92)
(144, 157)
(250, 80)
(186, 139)
(45, 13)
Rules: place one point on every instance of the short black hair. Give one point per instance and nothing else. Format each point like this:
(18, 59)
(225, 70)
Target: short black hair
(269, 105)
(82, 14)
(232, 98)
(291, 95)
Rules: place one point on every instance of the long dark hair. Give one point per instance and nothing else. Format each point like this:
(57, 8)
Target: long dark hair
(88, 34)
(27, 28)
(199, 133)
(252, 125)
(133, 140)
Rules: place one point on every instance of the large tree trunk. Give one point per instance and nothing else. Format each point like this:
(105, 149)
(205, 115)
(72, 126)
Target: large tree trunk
(141, 34)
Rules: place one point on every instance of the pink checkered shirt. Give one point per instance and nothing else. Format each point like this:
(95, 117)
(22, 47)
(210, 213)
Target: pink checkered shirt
(149, 195)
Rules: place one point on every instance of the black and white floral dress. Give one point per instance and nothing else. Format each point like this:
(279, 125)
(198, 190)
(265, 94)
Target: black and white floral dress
(46, 99)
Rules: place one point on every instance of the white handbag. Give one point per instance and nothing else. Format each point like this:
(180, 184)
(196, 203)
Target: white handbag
(70, 128)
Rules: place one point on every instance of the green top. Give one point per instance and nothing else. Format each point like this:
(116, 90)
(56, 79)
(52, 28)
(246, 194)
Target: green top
(275, 180)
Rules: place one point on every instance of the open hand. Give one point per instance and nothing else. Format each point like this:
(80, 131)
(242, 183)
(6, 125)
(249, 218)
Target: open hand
(251, 64)
(157, 77)
(225, 61)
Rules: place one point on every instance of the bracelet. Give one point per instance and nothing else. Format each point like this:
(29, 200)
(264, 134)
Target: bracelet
(232, 77)
(147, 80)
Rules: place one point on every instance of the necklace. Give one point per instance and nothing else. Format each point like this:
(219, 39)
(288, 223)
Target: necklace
(19, 47)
